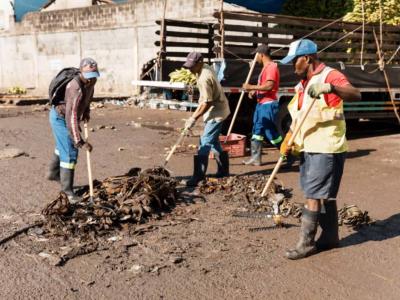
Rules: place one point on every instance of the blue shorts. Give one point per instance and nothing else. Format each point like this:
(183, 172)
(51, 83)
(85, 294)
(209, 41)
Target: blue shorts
(264, 123)
(209, 141)
(320, 174)
(65, 147)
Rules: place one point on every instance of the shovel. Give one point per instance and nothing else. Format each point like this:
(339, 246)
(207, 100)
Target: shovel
(89, 165)
(290, 144)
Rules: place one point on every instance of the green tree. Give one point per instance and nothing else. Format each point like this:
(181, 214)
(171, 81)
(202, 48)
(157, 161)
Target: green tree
(372, 11)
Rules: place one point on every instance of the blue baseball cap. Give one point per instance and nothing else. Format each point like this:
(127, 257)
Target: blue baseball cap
(299, 48)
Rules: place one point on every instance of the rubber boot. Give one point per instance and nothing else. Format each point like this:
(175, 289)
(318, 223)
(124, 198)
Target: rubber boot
(53, 173)
(306, 245)
(67, 182)
(256, 148)
(222, 164)
(328, 221)
(200, 164)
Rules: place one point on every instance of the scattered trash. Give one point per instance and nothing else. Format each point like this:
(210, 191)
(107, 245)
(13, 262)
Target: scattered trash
(351, 215)
(176, 259)
(11, 153)
(248, 189)
(136, 269)
(114, 239)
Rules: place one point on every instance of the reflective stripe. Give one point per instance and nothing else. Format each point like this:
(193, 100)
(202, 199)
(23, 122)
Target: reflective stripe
(257, 137)
(56, 152)
(276, 141)
(65, 165)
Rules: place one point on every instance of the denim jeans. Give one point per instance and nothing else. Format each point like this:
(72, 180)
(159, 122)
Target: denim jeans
(65, 147)
(209, 141)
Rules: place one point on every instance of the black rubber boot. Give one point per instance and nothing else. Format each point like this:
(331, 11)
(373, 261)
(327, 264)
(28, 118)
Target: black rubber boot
(306, 245)
(67, 182)
(53, 173)
(222, 164)
(200, 164)
(328, 221)
(256, 148)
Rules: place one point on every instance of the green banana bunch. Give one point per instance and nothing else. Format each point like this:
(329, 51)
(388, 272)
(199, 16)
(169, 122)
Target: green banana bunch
(16, 90)
(183, 75)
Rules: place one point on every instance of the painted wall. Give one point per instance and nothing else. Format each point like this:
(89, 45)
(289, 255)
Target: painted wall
(120, 37)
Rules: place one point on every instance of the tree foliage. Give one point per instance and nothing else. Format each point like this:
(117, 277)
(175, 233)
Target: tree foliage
(372, 11)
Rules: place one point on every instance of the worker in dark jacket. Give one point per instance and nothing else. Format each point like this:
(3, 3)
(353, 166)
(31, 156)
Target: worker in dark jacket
(65, 117)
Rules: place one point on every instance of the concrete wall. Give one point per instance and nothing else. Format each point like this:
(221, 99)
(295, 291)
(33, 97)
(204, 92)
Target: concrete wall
(6, 13)
(120, 37)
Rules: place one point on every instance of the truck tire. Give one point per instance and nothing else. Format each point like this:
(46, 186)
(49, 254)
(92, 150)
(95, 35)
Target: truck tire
(284, 120)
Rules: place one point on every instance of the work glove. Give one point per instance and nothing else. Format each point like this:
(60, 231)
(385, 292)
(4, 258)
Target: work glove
(285, 150)
(190, 123)
(86, 146)
(318, 89)
(86, 117)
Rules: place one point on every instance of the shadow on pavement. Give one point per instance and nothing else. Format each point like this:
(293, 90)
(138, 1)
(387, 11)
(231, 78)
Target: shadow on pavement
(379, 231)
(359, 153)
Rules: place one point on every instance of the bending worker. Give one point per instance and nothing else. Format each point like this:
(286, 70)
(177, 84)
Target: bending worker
(321, 142)
(267, 105)
(65, 117)
(214, 108)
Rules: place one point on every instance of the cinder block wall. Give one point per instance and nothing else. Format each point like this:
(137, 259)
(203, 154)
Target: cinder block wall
(120, 37)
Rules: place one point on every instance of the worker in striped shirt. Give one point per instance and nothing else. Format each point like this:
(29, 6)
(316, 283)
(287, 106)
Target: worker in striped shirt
(65, 117)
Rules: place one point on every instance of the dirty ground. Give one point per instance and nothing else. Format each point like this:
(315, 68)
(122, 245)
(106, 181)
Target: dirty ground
(198, 250)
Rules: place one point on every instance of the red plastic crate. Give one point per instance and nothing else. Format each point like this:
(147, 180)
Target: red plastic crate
(235, 145)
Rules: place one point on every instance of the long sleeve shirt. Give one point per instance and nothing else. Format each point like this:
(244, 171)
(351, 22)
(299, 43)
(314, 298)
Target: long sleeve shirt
(76, 105)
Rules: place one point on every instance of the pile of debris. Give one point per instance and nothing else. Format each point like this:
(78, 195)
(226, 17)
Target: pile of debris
(351, 215)
(248, 188)
(277, 201)
(117, 202)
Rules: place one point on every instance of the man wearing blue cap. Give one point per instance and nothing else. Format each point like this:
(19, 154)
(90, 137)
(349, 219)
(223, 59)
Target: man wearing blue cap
(321, 142)
(65, 117)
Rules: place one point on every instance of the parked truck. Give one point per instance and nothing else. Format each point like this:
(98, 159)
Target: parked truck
(227, 44)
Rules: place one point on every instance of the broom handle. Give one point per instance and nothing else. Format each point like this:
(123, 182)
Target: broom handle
(89, 165)
(290, 143)
(241, 98)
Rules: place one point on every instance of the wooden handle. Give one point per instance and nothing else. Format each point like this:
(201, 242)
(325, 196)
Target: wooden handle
(179, 141)
(241, 98)
(290, 143)
(89, 165)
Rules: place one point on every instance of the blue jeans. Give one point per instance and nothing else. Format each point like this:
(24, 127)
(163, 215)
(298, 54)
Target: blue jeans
(264, 123)
(65, 147)
(209, 141)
